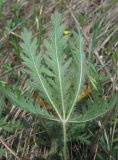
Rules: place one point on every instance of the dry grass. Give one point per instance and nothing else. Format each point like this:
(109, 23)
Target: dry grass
(23, 143)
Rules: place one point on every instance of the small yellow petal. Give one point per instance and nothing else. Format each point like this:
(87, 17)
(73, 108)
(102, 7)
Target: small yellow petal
(66, 32)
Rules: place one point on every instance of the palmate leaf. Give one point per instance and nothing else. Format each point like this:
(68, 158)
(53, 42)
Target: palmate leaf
(57, 72)
(52, 71)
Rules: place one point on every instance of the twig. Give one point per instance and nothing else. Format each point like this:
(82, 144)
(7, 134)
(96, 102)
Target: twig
(104, 123)
(12, 30)
(109, 37)
(11, 69)
(9, 149)
(97, 49)
(94, 158)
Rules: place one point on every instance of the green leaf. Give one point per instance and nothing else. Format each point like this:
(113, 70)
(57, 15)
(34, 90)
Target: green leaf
(97, 109)
(27, 104)
(51, 70)
(9, 126)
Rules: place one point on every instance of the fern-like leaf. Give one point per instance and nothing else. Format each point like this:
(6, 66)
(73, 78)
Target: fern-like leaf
(27, 104)
(96, 109)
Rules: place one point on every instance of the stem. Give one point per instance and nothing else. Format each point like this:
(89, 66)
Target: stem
(64, 142)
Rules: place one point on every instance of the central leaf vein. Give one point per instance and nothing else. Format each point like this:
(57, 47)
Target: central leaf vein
(59, 75)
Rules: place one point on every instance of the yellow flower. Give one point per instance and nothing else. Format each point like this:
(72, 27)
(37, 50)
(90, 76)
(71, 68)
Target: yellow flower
(66, 32)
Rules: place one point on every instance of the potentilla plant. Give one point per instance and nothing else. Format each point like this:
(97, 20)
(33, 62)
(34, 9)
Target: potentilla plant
(58, 73)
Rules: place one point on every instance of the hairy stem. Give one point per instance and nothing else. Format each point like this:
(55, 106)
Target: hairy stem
(64, 142)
